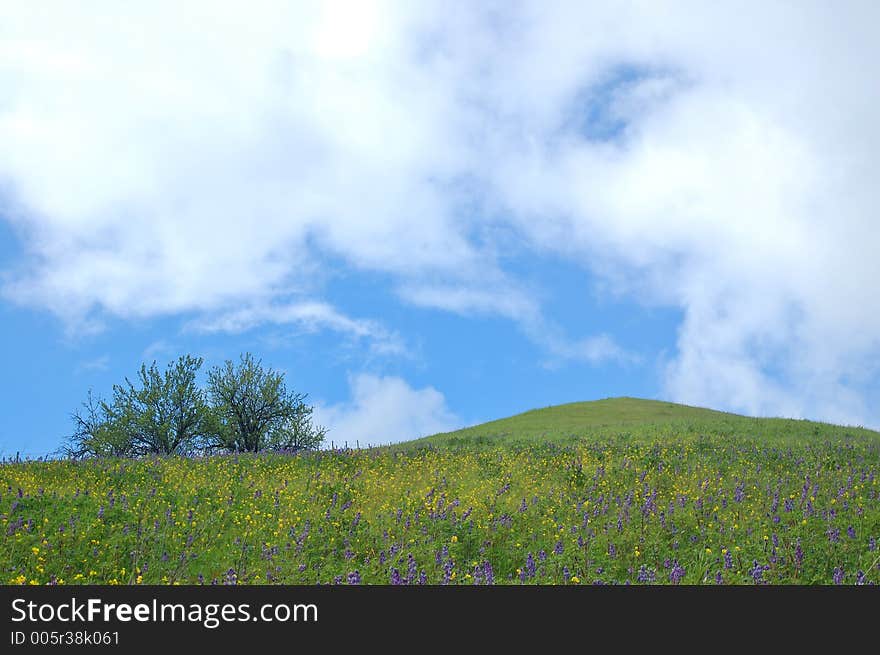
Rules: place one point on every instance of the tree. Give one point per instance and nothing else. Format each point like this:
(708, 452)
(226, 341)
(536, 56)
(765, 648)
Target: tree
(298, 432)
(255, 411)
(167, 413)
(95, 433)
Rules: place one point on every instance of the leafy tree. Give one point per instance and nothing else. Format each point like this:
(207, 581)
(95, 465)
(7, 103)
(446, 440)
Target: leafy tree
(255, 411)
(165, 414)
(95, 432)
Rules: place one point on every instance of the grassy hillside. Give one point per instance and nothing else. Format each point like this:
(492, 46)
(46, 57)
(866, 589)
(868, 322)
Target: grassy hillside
(618, 491)
(637, 420)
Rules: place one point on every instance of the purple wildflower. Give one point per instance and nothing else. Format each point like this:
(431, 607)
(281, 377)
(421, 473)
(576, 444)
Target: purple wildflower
(412, 569)
(354, 577)
(530, 566)
(447, 571)
(488, 574)
(677, 572)
(837, 576)
(757, 572)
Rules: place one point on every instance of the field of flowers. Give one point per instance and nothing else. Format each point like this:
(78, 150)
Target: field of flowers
(691, 512)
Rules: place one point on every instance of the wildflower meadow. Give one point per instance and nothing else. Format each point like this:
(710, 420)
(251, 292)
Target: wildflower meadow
(692, 511)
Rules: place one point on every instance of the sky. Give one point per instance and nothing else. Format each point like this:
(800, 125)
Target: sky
(433, 214)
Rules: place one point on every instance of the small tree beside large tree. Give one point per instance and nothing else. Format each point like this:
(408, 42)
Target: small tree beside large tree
(95, 433)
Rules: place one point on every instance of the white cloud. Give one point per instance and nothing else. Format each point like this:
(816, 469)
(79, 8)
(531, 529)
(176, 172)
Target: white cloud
(309, 316)
(507, 300)
(101, 363)
(158, 348)
(717, 159)
(385, 410)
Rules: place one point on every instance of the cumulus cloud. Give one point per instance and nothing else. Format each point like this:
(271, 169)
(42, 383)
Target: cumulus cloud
(385, 410)
(721, 160)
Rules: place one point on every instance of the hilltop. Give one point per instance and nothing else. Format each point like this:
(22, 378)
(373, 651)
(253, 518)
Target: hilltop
(639, 420)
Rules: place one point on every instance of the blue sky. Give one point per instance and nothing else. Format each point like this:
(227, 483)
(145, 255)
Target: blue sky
(431, 217)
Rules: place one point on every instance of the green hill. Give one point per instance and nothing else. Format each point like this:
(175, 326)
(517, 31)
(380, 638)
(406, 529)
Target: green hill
(638, 420)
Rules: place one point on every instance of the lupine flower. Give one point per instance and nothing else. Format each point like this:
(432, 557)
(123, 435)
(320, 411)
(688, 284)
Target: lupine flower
(448, 571)
(757, 572)
(646, 575)
(412, 569)
(838, 575)
(677, 572)
(488, 573)
(558, 549)
(531, 568)
(354, 577)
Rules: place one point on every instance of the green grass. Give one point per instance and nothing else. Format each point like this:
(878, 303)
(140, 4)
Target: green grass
(636, 420)
(613, 491)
